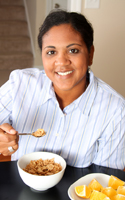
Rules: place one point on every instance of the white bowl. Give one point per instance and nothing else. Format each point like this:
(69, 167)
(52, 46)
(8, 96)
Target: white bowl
(40, 183)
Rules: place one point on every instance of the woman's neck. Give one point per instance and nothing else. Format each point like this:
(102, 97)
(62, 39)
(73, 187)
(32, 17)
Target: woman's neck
(67, 97)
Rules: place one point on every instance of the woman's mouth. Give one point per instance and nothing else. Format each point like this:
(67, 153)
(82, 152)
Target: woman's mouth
(64, 73)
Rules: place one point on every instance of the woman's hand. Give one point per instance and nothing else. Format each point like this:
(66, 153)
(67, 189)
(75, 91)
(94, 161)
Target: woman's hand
(8, 138)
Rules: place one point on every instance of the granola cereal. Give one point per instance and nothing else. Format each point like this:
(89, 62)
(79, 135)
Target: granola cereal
(39, 133)
(43, 167)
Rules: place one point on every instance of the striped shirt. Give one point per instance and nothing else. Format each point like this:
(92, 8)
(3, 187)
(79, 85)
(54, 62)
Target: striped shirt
(89, 130)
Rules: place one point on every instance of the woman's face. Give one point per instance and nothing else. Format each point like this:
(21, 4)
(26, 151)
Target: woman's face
(65, 58)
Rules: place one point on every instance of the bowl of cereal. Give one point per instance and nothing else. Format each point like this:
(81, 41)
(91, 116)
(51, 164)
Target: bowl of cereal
(41, 170)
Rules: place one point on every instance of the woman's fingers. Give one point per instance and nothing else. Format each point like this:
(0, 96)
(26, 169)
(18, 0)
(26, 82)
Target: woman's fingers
(8, 129)
(8, 138)
(6, 152)
(4, 146)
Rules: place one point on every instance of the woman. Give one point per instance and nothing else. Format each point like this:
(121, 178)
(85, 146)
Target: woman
(83, 117)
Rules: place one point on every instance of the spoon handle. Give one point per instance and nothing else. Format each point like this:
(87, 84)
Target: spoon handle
(37, 136)
(24, 134)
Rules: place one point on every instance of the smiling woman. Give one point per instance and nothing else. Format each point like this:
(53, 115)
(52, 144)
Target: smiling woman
(66, 59)
(82, 116)
(67, 51)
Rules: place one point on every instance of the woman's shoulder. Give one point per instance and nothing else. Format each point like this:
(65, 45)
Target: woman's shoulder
(27, 72)
(23, 74)
(108, 91)
(27, 77)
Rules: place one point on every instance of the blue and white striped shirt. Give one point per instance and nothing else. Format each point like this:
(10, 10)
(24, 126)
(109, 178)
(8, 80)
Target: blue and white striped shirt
(89, 130)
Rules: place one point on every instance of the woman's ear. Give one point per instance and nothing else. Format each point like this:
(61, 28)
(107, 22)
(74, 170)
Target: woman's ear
(91, 54)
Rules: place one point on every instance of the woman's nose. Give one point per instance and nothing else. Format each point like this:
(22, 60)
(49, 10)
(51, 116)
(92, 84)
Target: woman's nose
(62, 60)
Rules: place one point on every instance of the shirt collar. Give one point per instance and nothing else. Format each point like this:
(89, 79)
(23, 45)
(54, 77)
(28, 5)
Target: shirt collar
(87, 98)
(47, 91)
(84, 102)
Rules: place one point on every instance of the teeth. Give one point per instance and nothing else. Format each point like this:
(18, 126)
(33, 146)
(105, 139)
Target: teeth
(64, 73)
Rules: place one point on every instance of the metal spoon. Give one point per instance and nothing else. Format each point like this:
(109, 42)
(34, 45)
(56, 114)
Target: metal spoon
(32, 134)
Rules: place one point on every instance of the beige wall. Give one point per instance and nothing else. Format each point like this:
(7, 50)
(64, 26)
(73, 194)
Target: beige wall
(109, 40)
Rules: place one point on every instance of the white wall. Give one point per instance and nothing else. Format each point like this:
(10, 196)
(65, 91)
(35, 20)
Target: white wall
(30, 8)
(109, 40)
(40, 15)
(36, 13)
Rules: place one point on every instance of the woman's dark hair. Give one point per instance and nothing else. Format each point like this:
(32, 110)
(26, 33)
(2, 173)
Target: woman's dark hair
(77, 21)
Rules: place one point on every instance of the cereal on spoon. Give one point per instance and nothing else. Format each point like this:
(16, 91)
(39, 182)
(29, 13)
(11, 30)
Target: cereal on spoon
(39, 133)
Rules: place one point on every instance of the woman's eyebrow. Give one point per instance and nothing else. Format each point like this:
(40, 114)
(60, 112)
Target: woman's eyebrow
(50, 47)
(66, 46)
(73, 44)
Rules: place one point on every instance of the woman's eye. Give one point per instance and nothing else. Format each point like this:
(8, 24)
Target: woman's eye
(74, 51)
(50, 52)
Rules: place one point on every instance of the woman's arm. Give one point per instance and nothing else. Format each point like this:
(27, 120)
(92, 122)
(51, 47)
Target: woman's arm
(111, 145)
